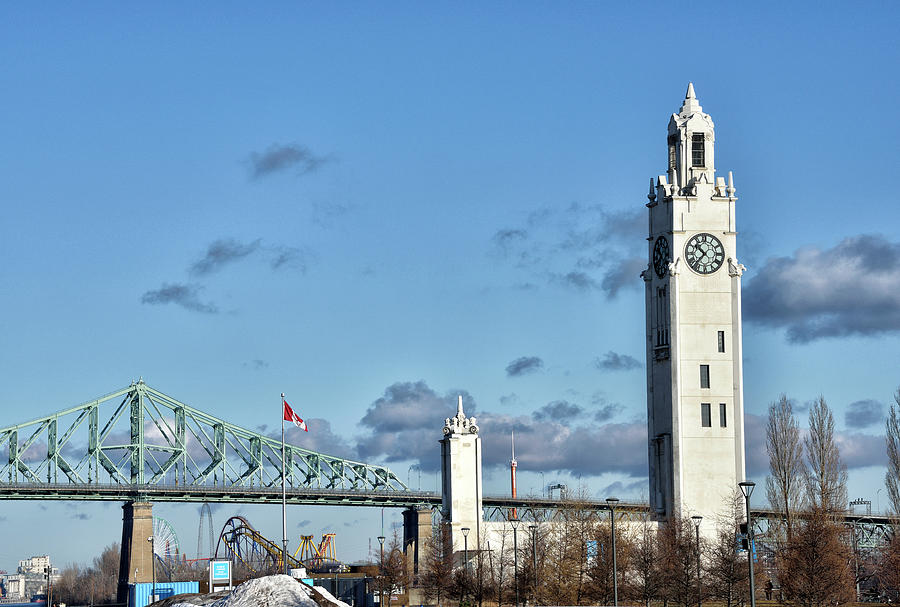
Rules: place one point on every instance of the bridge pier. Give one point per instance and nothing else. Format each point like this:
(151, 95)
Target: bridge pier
(136, 562)
(417, 534)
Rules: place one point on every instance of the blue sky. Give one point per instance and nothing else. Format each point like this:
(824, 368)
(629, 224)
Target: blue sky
(375, 208)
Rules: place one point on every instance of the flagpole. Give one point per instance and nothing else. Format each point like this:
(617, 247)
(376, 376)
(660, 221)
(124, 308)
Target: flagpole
(283, 495)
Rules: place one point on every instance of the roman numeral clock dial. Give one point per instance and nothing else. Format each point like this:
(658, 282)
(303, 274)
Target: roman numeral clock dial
(704, 253)
(661, 256)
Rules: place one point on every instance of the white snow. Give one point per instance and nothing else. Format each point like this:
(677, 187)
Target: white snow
(271, 591)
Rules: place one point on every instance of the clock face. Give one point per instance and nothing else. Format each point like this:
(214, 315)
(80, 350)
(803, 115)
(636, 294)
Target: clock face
(661, 256)
(704, 253)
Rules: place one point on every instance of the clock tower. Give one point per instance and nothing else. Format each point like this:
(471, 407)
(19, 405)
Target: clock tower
(695, 409)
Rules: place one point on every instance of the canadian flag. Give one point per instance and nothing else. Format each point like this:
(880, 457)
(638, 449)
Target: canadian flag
(290, 416)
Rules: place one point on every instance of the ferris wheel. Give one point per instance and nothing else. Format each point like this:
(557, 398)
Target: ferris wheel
(165, 541)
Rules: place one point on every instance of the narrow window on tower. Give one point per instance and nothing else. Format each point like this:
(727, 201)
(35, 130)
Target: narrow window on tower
(673, 139)
(698, 151)
(705, 418)
(662, 317)
(723, 420)
(704, 376)
(721, 341)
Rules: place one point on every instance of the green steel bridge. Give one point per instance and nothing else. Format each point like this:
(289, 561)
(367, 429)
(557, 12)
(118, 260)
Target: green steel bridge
(138, 444)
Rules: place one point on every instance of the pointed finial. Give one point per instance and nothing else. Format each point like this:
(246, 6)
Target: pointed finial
(730, 189)
(459, 409)
(651, 195)
(691, 105)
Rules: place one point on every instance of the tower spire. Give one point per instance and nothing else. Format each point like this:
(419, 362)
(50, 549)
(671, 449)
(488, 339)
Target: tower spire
(691, 105)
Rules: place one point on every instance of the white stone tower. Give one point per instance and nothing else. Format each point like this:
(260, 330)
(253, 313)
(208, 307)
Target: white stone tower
(461, 478)
(693, 296)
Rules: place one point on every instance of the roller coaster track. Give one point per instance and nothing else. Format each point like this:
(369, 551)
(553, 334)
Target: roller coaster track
(241, 542)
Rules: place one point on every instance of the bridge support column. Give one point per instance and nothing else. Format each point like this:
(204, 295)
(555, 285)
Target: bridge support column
(416, 538)
(136, 562)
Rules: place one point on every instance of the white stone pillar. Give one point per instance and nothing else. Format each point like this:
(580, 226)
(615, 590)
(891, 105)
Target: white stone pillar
(461, 478)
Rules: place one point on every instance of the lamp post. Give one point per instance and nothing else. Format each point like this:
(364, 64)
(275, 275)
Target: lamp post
(380, 569)
(465, 532)
(747, 490)
(612, 502)
(47, 570)
(153, 564)
(515, 525)
(533, 529)
(697, 518)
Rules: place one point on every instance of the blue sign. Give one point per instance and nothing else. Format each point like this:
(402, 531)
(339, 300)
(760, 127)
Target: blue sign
(221, 570)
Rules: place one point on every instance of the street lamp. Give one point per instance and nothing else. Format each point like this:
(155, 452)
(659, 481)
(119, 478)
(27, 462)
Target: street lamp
(515, 525)
(533, 529)
(381, 570)
(747, 490)
(47, 570)
(465, 532)
(153, 564)
(612, 502)
(697, 518)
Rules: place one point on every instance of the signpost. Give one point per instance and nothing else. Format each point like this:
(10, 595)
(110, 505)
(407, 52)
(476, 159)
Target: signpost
(219, 575)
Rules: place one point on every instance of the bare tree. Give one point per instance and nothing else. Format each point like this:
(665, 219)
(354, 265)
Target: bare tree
(436, 577)
(599, 561)
(645, 575)
(826, 477)
(563, 553)
(784, 485)
(892, 438)
(96, 585)
(815, 566)
(888, 572)
(678, 561)
(727, 578)
(393, 568)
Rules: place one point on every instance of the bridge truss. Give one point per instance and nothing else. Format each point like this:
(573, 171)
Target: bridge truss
(139, 442)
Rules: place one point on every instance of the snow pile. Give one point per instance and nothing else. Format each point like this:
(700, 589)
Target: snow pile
(274, 591)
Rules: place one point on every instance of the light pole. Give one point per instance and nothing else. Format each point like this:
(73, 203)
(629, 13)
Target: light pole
(612, 502)
(153, 564)
(697, 518)
(515, 525)
(465, 532)
(533, 529)
(47, 571)
(380, 569)
(747, 490)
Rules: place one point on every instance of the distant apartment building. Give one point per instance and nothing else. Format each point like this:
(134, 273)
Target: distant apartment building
(29, 579)
(36, 564)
